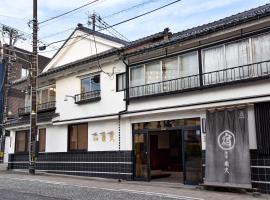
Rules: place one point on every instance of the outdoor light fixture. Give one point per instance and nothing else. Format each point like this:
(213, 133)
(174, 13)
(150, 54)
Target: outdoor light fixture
(69, 96)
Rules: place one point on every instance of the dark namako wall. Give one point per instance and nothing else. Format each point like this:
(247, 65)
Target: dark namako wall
(105, 164)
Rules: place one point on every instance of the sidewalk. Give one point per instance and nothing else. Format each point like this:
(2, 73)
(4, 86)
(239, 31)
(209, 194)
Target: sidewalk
(147, 187)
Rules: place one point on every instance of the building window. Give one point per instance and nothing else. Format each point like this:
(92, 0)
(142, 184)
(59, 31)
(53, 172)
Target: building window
(152, 72)
(21, 141)
(261, 48)
(167, 69)
(170, 68)
(24, 72)
(90, 84)
(46, 95)
(42, 139)
(120, 82)
(78, 137)
(137, 76)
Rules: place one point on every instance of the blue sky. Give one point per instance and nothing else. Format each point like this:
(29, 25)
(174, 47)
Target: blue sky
(180, 16)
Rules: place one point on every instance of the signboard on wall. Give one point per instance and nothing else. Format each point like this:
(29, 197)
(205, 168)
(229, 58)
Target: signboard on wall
(227, 148)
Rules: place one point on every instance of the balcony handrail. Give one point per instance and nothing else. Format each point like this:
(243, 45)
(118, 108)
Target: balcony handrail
(230, 74)
(240, 66)
(39, 107)
(175, 79)
(94, 92)
(185, 77)
(87, 96)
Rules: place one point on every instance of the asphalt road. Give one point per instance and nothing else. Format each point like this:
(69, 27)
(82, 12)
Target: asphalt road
(12, 188)
(21, 186)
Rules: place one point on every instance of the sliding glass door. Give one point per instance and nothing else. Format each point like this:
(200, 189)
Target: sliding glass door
(192, 156)
(141, 155)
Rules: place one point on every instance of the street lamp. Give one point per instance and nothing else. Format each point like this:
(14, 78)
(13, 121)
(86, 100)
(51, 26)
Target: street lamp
(69, 96)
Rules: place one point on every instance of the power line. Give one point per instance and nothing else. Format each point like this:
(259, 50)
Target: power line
(119, 23)
(65, 13)
(130, 8)
(57, 33)
(116, 13)
(105, 24)
(113, 14)
(141, 15)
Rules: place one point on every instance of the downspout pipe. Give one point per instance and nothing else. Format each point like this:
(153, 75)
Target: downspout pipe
(121, 112)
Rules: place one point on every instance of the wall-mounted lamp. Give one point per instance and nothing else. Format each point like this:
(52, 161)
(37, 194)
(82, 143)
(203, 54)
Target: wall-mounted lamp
(69, 96)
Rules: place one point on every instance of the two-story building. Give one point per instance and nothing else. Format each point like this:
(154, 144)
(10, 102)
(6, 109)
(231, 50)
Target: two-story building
(18, 68)
(190, 107)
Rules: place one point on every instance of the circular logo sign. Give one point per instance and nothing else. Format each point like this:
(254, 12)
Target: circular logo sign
(226, 140)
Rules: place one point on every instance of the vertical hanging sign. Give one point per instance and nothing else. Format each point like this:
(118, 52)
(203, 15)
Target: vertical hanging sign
(227, 148)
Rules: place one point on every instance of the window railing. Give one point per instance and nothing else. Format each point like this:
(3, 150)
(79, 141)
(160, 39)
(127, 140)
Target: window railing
(234, 74)
(87, 97)
(40, 107)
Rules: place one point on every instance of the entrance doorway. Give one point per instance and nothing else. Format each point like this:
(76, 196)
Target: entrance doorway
(172, 154)
(166, 160)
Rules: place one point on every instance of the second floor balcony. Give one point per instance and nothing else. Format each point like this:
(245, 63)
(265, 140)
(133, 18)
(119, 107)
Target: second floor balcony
(87, 97)
(249, 72)
(48, 106)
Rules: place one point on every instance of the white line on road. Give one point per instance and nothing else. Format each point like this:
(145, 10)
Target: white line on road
(172, 196)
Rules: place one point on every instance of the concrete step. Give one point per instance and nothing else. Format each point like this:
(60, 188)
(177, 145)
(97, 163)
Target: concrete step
(3, 167)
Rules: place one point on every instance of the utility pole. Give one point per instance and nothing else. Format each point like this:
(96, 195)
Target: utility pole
(92, 21)
(33, 82)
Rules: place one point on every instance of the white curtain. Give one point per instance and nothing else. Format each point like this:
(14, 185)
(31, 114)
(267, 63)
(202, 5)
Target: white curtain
(261, 48)
(237, 54)
(261, 52)
(188, 66)
(152, 72)
(136, 76)
(137, 79)
(170, 68)
(213, 60)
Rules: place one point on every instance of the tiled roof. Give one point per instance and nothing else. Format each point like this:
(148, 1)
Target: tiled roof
(227, 22)
(102, 35)
(148, 38)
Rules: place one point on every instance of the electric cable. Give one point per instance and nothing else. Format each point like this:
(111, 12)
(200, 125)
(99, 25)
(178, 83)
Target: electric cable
(117, 24)
(68, 12)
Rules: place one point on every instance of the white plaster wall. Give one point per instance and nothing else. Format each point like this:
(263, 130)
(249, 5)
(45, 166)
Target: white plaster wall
(56, 138)
(78, 48)
(100, 127)
(111, 101)
(252, 128)
(126, 135)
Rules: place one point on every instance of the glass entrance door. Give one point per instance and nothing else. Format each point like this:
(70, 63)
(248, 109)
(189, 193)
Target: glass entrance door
(192, 156)
(141, 155)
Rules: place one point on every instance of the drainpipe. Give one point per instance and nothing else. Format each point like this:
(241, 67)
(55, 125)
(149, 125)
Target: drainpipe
(119, 116)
